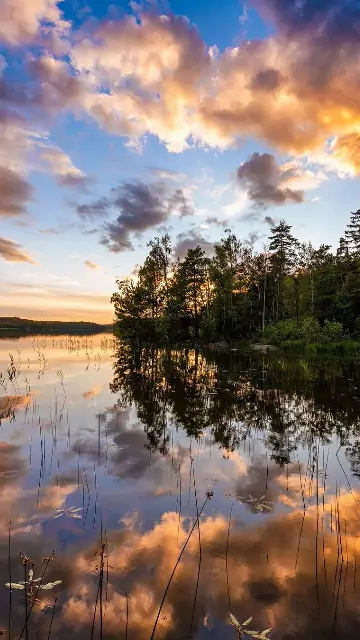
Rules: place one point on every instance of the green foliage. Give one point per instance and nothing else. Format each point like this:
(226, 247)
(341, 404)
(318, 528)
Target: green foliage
(307, 330)
(332, 331)
(342, 348)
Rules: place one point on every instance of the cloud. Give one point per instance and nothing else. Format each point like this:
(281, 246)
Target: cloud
(55, 86)
(16, 144)
(135, 271)
(20, 22)
(64, 226)
(180, 203)
(94, 210)
(308, 71)
(143, 206)
(236, 206)
(266, 181)
(51, 231)
(15, 193)
(332, 20)
(253, 237)
(152, 66)
(190, 240)
(270, 221)
(153, 74)
(219, 190)
(13, 252)
(62, 167)
(217, 221)
(166, 174)
(345, 154)
(90, 265)
(267, 80)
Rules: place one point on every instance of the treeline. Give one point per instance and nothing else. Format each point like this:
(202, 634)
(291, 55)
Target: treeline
(13, 326)
(287, 290)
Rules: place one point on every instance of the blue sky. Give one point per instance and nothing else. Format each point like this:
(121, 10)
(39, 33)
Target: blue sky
(182, 116)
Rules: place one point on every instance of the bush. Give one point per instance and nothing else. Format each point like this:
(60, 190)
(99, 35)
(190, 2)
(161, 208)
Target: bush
(306, 331)
(332, 331)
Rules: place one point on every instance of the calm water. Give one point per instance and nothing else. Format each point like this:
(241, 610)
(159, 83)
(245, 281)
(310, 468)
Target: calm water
(106, 458)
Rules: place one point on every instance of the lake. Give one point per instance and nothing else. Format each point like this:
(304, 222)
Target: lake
(240, 471)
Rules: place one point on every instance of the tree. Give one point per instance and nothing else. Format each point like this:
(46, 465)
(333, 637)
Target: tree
(230, 275)
(283, 245)
(160, 254)
(190, 282)
(325, 282)
(128, 305)
(352, 232)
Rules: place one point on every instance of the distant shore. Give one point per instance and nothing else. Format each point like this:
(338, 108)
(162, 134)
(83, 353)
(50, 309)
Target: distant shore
(12, 327)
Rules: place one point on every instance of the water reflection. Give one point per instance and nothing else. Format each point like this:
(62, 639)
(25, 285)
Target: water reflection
(291, 401)
(106, 458)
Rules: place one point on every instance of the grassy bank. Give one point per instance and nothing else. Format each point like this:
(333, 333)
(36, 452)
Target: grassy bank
(341, 347)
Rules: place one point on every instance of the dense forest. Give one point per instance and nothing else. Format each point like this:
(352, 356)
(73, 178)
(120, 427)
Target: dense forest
(288, 291)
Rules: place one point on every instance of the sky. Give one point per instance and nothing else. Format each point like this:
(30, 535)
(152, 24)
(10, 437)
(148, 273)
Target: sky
(120, 121)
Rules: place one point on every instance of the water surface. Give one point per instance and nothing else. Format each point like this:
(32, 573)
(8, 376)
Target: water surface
(107, 457)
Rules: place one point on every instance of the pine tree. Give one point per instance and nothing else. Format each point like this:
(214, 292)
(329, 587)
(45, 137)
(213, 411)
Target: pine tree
(352, 233)
(343, 248)
(283, 245)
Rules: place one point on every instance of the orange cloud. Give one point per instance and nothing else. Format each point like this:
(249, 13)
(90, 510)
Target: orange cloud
(90, 265)
(13, 252)
(154, 74)
(269, 89)
(346, 152)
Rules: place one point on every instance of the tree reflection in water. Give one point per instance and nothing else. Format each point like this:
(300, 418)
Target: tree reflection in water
(290, 402)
